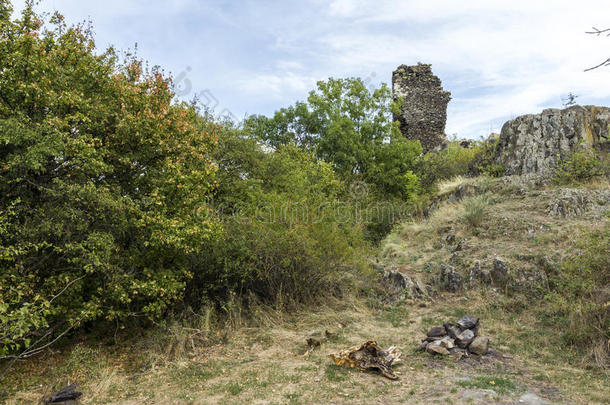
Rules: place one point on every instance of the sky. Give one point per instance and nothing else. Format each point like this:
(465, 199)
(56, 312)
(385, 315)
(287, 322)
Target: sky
(499, 59)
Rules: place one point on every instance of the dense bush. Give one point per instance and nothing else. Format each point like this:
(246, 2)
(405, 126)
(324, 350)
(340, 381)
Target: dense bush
(100, 174)
(290, 235)
(454, 160)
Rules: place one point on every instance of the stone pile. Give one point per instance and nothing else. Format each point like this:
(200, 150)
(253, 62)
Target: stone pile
(460, 339)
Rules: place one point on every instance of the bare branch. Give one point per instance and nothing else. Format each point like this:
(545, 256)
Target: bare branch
(604, 63)
(598, 32)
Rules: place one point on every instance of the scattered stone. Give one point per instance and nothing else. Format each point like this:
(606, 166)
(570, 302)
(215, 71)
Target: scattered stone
(449, 279)
(424, 109)
(437, 331)
(570, 202)
(465, 338)
(478, 274)
(479, 345)
(369, 356)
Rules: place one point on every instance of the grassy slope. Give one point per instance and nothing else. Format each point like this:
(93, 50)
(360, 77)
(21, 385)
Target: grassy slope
(265, 363)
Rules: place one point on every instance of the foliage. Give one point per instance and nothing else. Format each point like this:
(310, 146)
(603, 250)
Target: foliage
(285, 239)
(483, 161)
(348, 125)
(454, 160)
(100, 176)
(581, 166)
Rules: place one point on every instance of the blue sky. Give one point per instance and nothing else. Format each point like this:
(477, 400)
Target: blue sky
(498, 58)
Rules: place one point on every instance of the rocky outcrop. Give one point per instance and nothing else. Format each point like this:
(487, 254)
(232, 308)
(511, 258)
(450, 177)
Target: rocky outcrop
(534, 143)
(424, 110)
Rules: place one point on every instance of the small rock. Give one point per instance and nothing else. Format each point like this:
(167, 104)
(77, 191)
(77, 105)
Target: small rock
(437, 331)
(447, 342)
(465, 338)
(479, 345)
(468, 322)
(532, 399)
(422, 347)
(452, 330)
(433, 348)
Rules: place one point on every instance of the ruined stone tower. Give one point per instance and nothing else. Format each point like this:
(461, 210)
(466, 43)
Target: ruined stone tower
(424, 111)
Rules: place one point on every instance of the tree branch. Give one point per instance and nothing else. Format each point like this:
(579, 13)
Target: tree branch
(598, 32)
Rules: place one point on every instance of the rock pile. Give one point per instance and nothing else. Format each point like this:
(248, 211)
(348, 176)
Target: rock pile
(460, 339)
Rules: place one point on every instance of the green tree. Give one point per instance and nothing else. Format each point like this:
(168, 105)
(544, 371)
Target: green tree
(348, 125)
(100, 176)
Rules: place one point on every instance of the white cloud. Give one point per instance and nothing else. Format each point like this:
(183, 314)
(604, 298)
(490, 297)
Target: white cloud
(499, 58)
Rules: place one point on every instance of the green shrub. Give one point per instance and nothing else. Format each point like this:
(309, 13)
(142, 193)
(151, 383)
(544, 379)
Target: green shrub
(483, 162)
(290, 236)
(448, 163)
(581, 166)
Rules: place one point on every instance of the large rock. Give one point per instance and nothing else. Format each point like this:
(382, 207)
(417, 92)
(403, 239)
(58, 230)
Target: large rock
(465, 338)
(399, 286)
(533, 143)
(424, 110)
(468, 322)
(480, 345)
(449, 279)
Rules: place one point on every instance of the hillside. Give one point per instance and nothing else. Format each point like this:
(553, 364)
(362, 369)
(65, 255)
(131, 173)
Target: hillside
(532, 229)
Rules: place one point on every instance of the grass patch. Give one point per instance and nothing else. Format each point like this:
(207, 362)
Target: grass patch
(500, 385)
(335, 373)
(398, 316)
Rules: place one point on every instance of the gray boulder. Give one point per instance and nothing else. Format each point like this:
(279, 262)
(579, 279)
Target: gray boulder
(499, 271)
(534, 143)
(468, 322)
(479, 345)
(465, 338)
(437, 331)
(449, 279)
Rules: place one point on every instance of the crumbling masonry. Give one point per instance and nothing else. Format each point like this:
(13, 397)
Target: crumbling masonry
(424, 110)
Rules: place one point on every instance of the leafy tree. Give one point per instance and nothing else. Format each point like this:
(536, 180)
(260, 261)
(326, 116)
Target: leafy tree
(100, 176)
(287, 237)
(351, 127)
